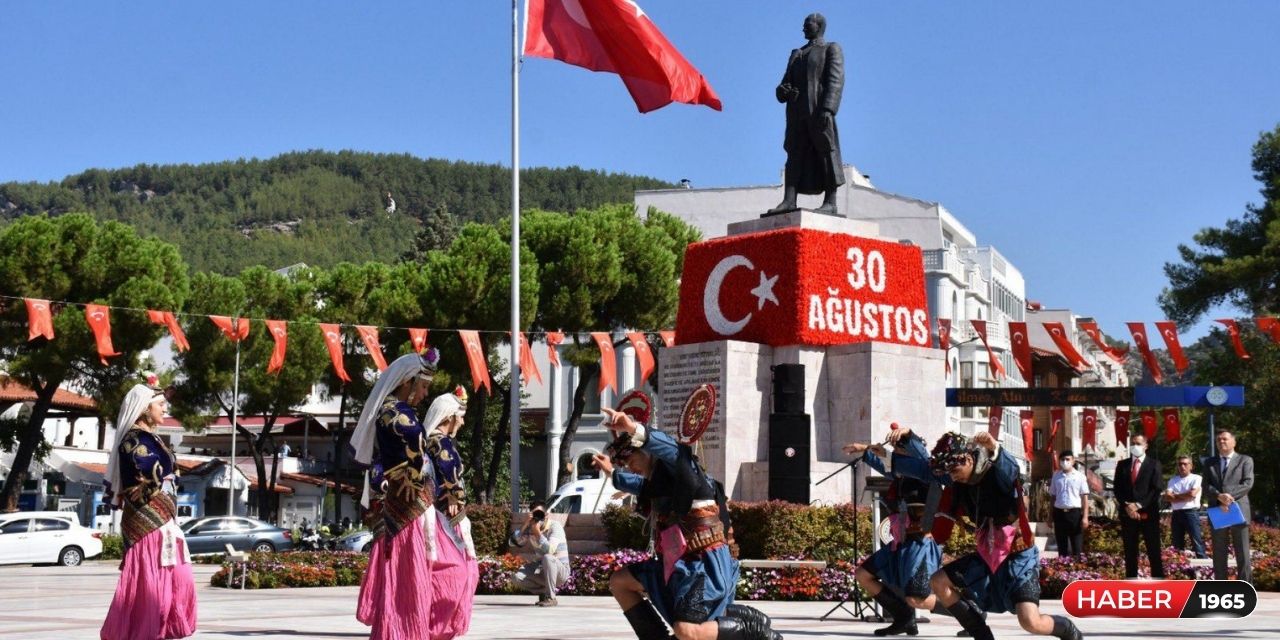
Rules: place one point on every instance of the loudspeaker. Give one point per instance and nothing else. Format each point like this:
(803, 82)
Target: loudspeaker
(789, 457)
(788, 388)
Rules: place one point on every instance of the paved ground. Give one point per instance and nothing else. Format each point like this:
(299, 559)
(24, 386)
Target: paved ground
(70, 603)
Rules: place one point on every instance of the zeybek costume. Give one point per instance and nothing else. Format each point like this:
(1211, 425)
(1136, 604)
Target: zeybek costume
(155, 598)
(395, 593)
(455, 572)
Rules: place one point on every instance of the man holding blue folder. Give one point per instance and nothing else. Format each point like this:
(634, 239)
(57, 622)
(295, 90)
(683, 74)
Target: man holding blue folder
(1228, 477)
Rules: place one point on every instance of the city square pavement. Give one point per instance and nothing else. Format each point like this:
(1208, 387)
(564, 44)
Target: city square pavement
(70, 603)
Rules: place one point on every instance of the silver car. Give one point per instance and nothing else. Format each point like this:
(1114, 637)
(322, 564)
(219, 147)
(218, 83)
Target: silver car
(213, 534)
(358, 540)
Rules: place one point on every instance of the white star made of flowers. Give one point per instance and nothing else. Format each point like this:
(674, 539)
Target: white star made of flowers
(764, 290)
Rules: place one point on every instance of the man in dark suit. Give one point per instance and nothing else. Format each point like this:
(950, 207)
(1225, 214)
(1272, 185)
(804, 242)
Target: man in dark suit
(1228, 477)
(1138, 486)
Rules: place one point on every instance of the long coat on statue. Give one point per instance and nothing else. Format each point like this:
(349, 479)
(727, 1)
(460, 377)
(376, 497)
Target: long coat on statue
(816, 71)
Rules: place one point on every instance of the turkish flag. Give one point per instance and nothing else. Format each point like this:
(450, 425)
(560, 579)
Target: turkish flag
(1122, 426)
(608, 363)
(554, 339)
(616, 36)
(1139, 331)
(333, 340)
(1026, 419)
(1088, 435)
(995, 419)
(1148, 425)
(997, 369)
(668, 338)
(419, 339)
(166, 318)
(1091, 328)
(528, 368)
(1233, 330)
(99, 319)
(235, 329)
(476, 358)
(1058, 333)
(643, 354)
(1169, 331)
(1271, 327)
(1021, 350)
(1172, 425)
(39, 319)
(1057, 418)
(369, 336)
(280, 333)
(944, 341)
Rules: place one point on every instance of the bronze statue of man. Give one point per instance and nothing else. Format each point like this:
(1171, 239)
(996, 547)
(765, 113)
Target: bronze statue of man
(811, 89)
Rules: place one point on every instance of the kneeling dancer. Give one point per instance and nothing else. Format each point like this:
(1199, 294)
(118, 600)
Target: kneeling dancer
(691, 582)
(1003, 574)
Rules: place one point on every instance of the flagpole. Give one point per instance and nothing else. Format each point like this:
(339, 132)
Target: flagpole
(515, 256)
(235, 403)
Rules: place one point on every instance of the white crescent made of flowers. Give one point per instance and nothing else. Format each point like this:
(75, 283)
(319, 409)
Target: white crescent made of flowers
(711, 295)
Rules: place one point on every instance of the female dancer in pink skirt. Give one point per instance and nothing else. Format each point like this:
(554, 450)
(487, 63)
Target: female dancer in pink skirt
(156, 596)
(454, 570)
(395, 593)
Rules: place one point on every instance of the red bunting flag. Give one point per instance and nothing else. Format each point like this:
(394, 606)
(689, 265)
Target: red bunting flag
(1026, 419)
(333, 340)
(280, 333)
(1172, 425)
(1058, 333)
(997, 369)
(528, 367)
(1021, 350)
(39, 319)
(167, 319)
(995, 419)
(1233, 330)
(554, 339)
(99, 319)
(419, 339)
(1122, 426)
(668, 338)
(1271, 327)
(235, 329)
(944, 342)
(1148, 425)
(616, 36)
(1116, 354)
(1057, 419)
(608, 363)
(369, 336)
(643, 353)
(1169, 331)
(1089, 428)
(1139, 331)
(476, 358)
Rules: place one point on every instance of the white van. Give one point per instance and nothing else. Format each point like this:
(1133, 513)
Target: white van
(588, 495)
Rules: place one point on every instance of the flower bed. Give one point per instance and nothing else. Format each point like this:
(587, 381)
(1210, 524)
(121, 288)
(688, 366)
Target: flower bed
(1057, 573)
(297, 569)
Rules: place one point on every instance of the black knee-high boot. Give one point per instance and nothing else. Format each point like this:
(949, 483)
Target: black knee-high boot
(1066, 629)
(971, 619)
(941, 610)
(647, 622)
(741, 622)
(904, 616)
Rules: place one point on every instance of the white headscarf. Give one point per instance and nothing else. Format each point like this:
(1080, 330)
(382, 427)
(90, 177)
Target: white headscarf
(402, 370)
(442, 408)
(135, 404)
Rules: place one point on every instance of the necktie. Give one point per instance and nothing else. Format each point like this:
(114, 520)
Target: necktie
(1136, 465)
(1223, 471)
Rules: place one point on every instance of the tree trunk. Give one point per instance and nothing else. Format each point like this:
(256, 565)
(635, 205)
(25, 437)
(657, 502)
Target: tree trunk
(585, 374)
(337, 457)
(275, 470)
(479, 406)
(260, 467)
(102, 432)
(500, 438)
(31, 438)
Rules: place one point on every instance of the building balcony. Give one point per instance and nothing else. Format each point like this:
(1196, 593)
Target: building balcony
(944, 261)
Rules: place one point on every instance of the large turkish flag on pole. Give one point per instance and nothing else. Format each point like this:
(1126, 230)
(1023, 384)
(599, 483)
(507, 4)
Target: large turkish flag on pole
(617, 37)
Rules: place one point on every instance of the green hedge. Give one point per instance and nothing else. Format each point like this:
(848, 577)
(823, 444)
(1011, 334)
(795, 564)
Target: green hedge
(112, 546)
(490, 526)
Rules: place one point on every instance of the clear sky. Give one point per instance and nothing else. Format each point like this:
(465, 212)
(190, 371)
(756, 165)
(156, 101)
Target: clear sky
(1083, 139)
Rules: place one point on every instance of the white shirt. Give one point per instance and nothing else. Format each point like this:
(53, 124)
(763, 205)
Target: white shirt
(1179, 484)
(1067, 488)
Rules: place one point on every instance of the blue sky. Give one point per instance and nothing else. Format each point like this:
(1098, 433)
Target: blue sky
(1084, 140)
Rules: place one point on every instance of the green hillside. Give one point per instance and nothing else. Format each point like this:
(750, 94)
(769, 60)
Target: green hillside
(316, 207)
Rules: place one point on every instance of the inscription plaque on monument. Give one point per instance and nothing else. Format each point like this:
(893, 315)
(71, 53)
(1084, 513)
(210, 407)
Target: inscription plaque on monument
(681, 374)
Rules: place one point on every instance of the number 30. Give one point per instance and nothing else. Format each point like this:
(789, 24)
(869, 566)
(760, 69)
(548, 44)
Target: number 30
(865, 270)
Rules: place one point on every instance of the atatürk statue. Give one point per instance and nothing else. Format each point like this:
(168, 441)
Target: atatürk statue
(811, 89)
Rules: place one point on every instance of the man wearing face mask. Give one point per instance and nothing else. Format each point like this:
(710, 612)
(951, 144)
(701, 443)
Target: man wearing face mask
(1138, 486)
(1070, 494)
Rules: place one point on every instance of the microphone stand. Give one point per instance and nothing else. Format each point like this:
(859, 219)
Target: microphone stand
(860, 603)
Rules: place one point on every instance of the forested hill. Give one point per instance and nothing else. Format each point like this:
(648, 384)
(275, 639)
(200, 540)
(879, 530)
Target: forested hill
(315, 207)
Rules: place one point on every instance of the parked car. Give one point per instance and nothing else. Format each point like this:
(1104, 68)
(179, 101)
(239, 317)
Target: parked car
(46, 536)
(213, 534)
(358, 540)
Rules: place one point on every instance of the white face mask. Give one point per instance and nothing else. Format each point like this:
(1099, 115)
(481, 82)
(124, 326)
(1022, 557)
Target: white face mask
(1137, 451)
(1067, 466)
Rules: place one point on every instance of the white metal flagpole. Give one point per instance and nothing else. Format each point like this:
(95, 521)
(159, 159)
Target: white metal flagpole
(515, 255)
(235, 404)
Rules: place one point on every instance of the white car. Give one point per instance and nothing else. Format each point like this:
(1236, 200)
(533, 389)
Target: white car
(588, 495)
(36, 537)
